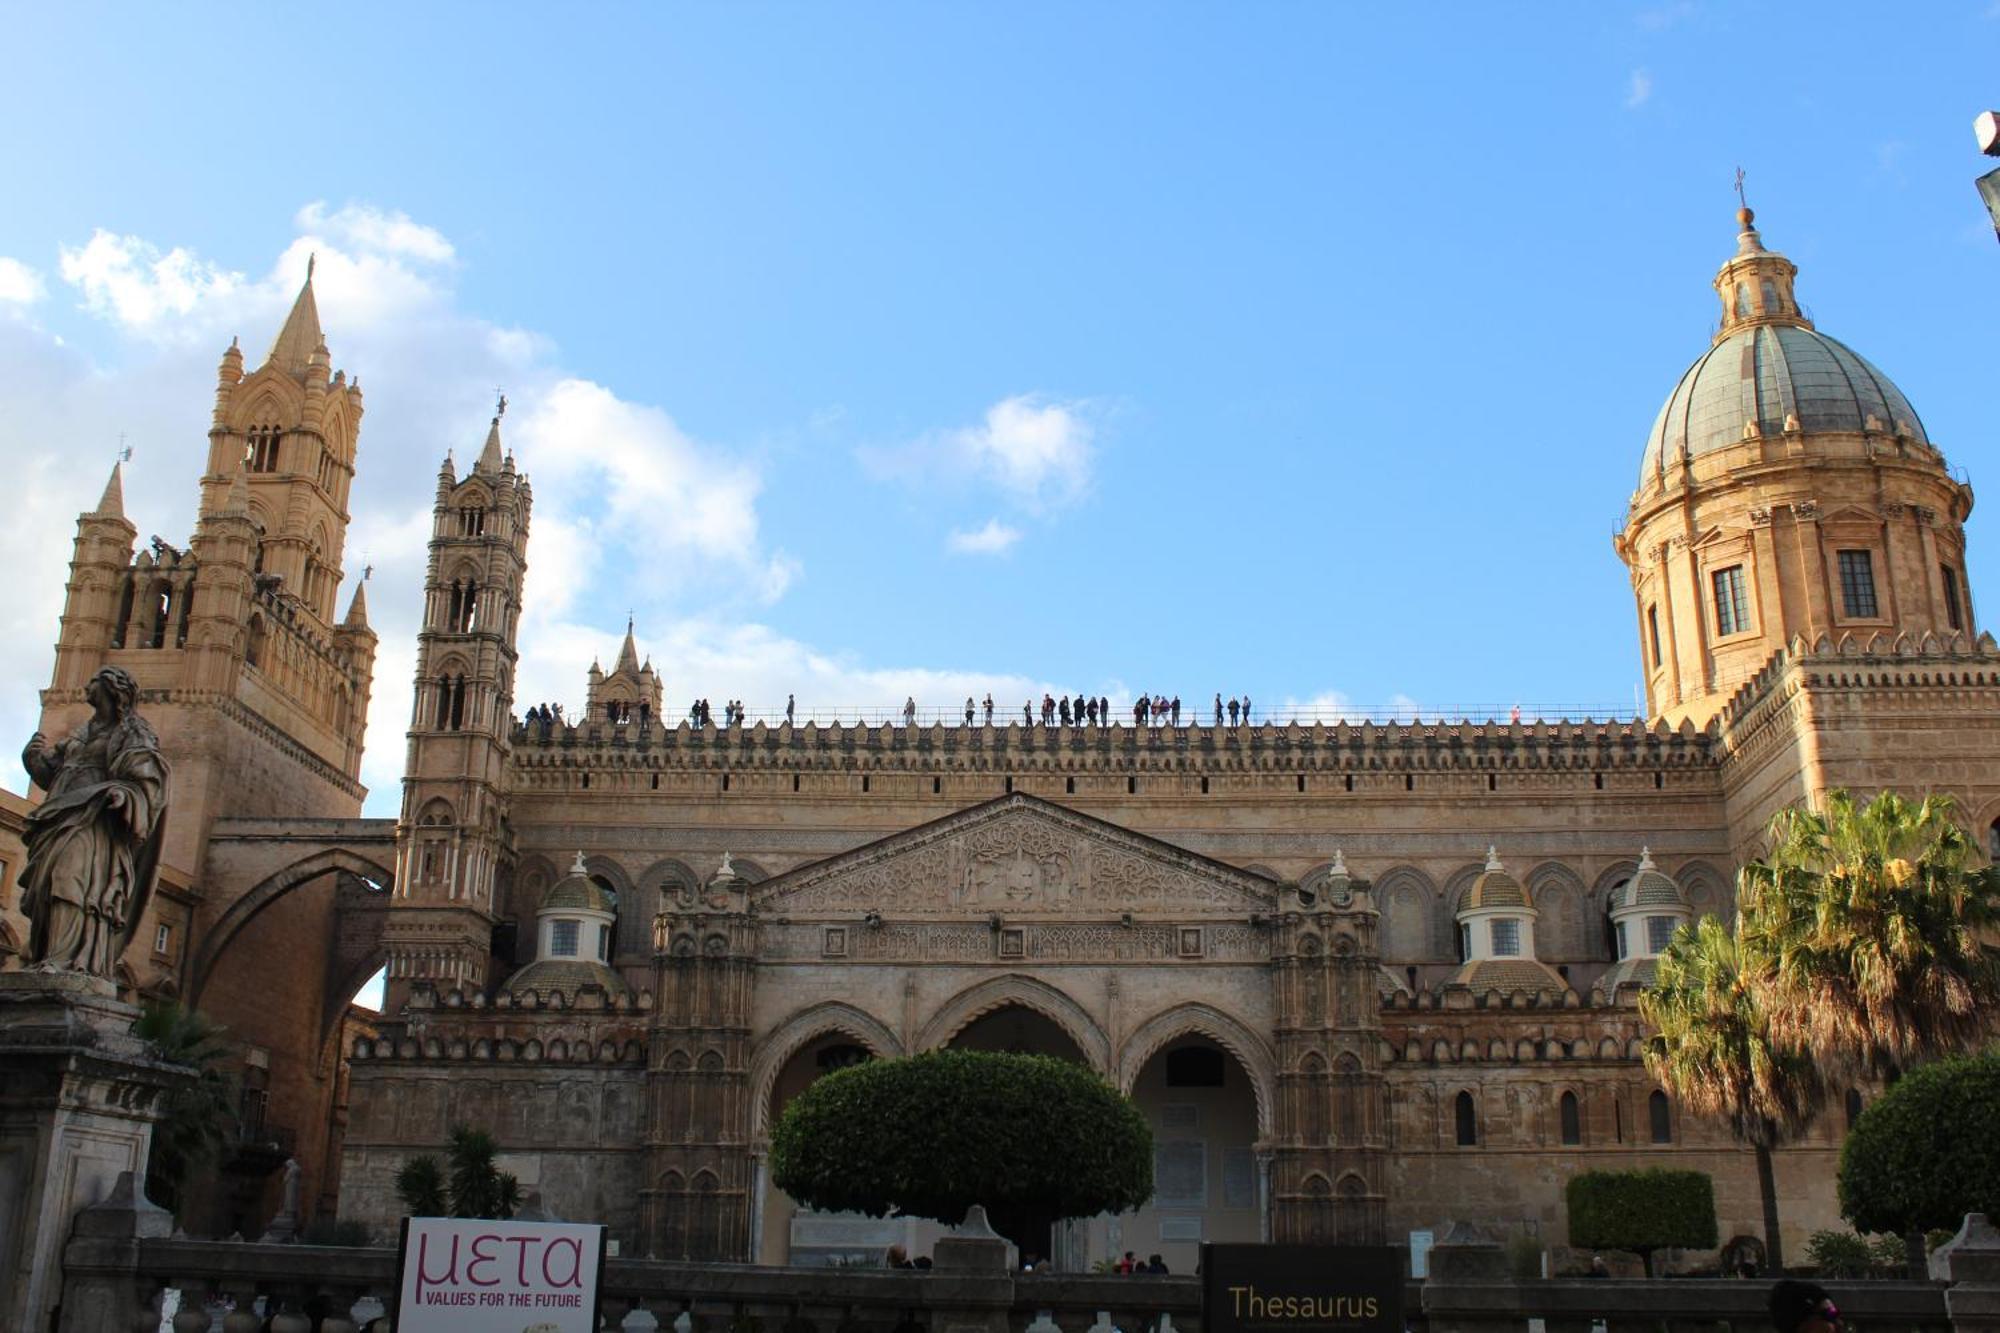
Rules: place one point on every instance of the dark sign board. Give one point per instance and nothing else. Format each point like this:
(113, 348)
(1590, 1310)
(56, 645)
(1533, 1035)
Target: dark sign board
(1301, 1289)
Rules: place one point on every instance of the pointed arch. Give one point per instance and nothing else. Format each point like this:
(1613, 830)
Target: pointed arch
(1561, 929)
(1203, 1020)
(1031, 993)
(1407, 899)
(829, 1018)
(266, 892)
(1456, 886)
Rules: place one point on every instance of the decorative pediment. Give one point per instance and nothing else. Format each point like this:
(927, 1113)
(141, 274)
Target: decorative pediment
(1020, 857)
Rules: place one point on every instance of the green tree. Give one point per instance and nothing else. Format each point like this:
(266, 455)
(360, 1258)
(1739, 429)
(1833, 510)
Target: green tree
(1713, 1048)
(1641, 1211)
(199, 1118)
(467, 1183)
(1925, 1153)
(1876, 922)
(933, 1134)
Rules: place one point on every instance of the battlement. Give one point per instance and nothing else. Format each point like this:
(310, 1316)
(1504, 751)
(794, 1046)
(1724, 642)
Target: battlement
(1364, 747)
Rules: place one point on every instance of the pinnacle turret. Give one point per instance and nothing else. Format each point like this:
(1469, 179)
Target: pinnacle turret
(112, 504)
(300, 340)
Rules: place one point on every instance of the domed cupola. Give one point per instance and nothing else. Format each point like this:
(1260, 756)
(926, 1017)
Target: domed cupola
(1646, 910)
(573, 929)
(1787, 488)
(1496, 936)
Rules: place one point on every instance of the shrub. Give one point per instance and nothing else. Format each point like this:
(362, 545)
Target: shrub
(1839, 1254)
(1642, 1211)
(1924, 1154)
(931, 1135)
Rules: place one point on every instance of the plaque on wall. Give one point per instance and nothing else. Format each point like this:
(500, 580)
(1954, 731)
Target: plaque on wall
(1180, 1173)
(1239, 1178)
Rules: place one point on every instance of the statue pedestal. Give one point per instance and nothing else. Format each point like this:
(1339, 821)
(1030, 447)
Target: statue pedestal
(78, 1098)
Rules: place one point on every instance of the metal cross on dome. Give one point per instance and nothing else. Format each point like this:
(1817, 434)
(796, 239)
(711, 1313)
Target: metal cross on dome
(1739, 189)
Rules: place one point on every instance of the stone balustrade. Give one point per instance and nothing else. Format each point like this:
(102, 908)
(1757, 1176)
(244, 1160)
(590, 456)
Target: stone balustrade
(232, 1287)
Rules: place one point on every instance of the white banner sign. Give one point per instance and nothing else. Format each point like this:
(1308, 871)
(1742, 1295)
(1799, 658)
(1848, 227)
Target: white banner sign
(459, 1275)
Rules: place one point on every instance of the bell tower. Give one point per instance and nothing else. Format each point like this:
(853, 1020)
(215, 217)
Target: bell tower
(451, 839)
(290, 428)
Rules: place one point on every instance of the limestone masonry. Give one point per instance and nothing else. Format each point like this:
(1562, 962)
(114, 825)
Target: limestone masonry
(1362, 979)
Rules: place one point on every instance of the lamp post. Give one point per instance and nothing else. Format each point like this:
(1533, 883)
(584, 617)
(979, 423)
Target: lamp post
(1986, 128)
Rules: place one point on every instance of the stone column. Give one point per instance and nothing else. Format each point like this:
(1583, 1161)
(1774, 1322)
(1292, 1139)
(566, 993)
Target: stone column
(78, 1098)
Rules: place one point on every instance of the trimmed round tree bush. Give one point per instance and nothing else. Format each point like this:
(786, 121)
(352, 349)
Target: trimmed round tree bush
(931, 1135)
(1642, 1211)
(1925, 1153)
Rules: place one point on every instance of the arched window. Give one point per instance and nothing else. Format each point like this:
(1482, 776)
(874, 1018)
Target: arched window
(1572, 1121)
(471, 521)
(1661, 1116)
(261, 454)
(159, 606)
(1853, 1106)
(1468, 1121)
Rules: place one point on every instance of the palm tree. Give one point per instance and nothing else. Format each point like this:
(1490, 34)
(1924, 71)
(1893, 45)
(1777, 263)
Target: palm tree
(1713, 1046)
(199, 1117)
(1876, 923)
(468, 1183)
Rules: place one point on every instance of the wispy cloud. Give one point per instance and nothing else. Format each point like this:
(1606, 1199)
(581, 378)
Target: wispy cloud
(1035, 451)
(1659, 18)
(1638, 90)
(994, 539)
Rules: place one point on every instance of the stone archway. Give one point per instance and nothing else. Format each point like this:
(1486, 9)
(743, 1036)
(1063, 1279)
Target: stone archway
(267, 891)
(1251, 1052)
(1025, 992)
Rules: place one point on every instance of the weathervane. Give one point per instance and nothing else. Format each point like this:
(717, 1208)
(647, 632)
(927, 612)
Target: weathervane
(500, 411)
(124, 449)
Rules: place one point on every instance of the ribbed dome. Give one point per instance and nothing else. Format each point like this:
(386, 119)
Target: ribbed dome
(578, 891)
(1782, 377)
(1649, 888)
(1494, 888)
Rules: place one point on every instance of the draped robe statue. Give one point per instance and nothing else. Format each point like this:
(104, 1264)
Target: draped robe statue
(93, 844)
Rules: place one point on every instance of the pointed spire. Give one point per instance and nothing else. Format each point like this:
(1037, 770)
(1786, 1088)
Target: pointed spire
(357, 610)
(300, 338)
(238, 501)
(490, 456)
(112, 505)
(628, 654)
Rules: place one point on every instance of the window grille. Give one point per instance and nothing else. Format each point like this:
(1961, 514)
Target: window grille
(1953, 616)
(562, 939)
(1506, 938)
(1857, 584)
(1659, 931)
(1732, 605)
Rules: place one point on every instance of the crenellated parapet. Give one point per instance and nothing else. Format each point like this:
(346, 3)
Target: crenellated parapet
(544, 753)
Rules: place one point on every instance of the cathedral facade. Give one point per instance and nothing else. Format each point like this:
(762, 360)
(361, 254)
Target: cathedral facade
(1363, 979)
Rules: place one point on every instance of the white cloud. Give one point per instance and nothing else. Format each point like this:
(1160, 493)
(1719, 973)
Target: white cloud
(993, 539)
(617, 484)
(20, 285)
(372, 229)
(129, 281)
(1638, 90)
(1038, 453)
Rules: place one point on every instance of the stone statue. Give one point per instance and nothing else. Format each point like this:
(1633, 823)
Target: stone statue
(93, 845)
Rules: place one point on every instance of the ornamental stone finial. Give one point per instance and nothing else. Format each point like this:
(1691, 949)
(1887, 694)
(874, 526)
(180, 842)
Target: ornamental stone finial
(579, 868)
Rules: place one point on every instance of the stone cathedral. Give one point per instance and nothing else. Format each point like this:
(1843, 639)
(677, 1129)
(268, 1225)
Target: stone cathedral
(1363, 979)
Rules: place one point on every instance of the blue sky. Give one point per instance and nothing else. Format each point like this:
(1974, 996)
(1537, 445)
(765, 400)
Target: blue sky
(876, 350)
